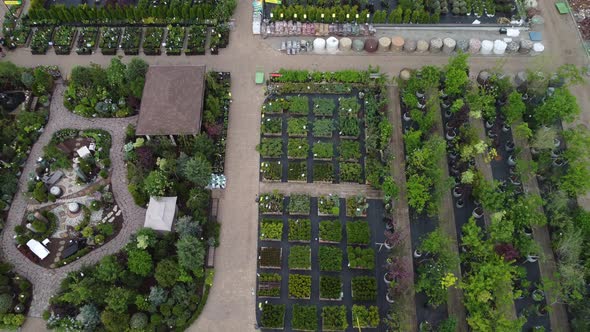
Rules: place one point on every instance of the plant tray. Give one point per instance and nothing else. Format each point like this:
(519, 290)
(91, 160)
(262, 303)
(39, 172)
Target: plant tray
(562, 7)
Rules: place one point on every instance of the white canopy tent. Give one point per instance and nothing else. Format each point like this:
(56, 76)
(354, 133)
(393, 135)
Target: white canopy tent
(160, 213)
(37, 248)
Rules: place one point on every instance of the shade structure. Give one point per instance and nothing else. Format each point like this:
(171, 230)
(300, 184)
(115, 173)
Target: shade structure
(371, 45)
(37, 248)
(160, 213)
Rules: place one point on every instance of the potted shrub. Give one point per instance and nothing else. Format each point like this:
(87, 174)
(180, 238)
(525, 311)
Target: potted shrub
(477, 212)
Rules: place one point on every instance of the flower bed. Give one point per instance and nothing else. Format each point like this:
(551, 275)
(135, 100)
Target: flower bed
(63, 39)
(90, 94)
(365, 317)
(323, 172)
(270, 203)
(297, 148)
(324, 107)
(40, 40)
(297, 171)
(323, 128)
(152, 41)
(357, 206)
(130, 40)
(15, 32)
(87, 40)
(358, 232)
(196, 39)
(271, 170)
(175, 40)
(109, 40)
(271, 147)
(329, 205)
(272, 126)
(322, 150)
(297, 127)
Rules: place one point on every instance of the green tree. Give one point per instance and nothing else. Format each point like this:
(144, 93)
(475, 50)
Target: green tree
(135, 75)
(114, 321)
(562, 105)
(108, 269)
(197, 170)
(43, 82)
(191, 254)
(167, 272)
(514, 108)
(140, 262)
(156, 183)
(116, 75)
(10, 75)
(89, 316)
(139, 321)
(117, 299)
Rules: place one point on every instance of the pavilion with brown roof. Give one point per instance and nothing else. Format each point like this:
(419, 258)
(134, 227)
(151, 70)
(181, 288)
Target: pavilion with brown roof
(172, 101)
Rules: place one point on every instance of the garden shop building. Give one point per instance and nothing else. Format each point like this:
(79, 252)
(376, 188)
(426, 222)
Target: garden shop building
(172, 101)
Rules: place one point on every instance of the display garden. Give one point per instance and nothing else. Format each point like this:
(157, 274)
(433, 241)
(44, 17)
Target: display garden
(320, 262)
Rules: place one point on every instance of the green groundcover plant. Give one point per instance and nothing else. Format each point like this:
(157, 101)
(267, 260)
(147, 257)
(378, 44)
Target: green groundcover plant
(330, 231)
(271, 229)
(300, 258)
(299, 204)
(330, 287)
(299, 286)
(364, 288)
(299, 230)
(360, 258)
(323, 172)
(358, 232)
(273, 315)
(334, 318)
(304, 317)
(330, 258)
(365, 316)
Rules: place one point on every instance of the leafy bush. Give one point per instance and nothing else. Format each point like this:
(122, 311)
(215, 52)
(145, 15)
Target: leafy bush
(351, 172)
(140, 263)
(299, 230)
(269, 284)
(5, 303)
(167, 273)
(299, 204)
(297, 171)
(323, 128)
(330, 230)
(365, 317)
(358, 232)
(360, 258)
(299, 286)
(330, 287)
(323, 106)
(304, 317)
(272, 125)
(191, 254)
(330, 258)
(197, 170)
(271, 147)
(322, 150)
(329, 205)
(297, 127)
(300, 257)
(364, 288)
(271, 229)
(323, 172)
(297, 148)
(334, 318)
(273, 315)
(349, 150)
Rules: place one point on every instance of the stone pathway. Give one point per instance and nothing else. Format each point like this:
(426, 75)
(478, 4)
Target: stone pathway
(231, 304)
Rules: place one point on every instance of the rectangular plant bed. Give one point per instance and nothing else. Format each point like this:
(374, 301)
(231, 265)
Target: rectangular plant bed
(271, 126)
(324, 107)
(365, 317)
(299, 230)
(297, 171)
(109, 40)
(364, 288)
(300, 258)
(330, 258)
(361, 258)
(271, 147)
(175, 40)
(304, 318)
(323, 150)
(271, 229)
(334, 318)
(270, 257)
(299, 286)
(272, 316)
(269, 285)
(87, 40)
(299, 204)
(196, 39)
(152, 42)
(323, 172)
(349, 128)
(349, 150)
(298, 105)
(358, 232)
(329, 205)
(297, 148)
(323, 128)
(330, 231)
(271, 171)
(270, 203)
(40, 40)
(275, 106)
(131, 39)
(351, 172)
(63, 39)
(357, 206)
(330, 288)
(297, 127)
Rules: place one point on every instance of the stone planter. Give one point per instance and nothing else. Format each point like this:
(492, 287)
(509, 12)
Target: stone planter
(457, 192)
(460, 204)
(511, 160)
(477, 212)
(532, 258)
(451, 134)
(417, 253)
(407, 117)
(387, 281)
(538, 295)
(509, 146)
(489, 125)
